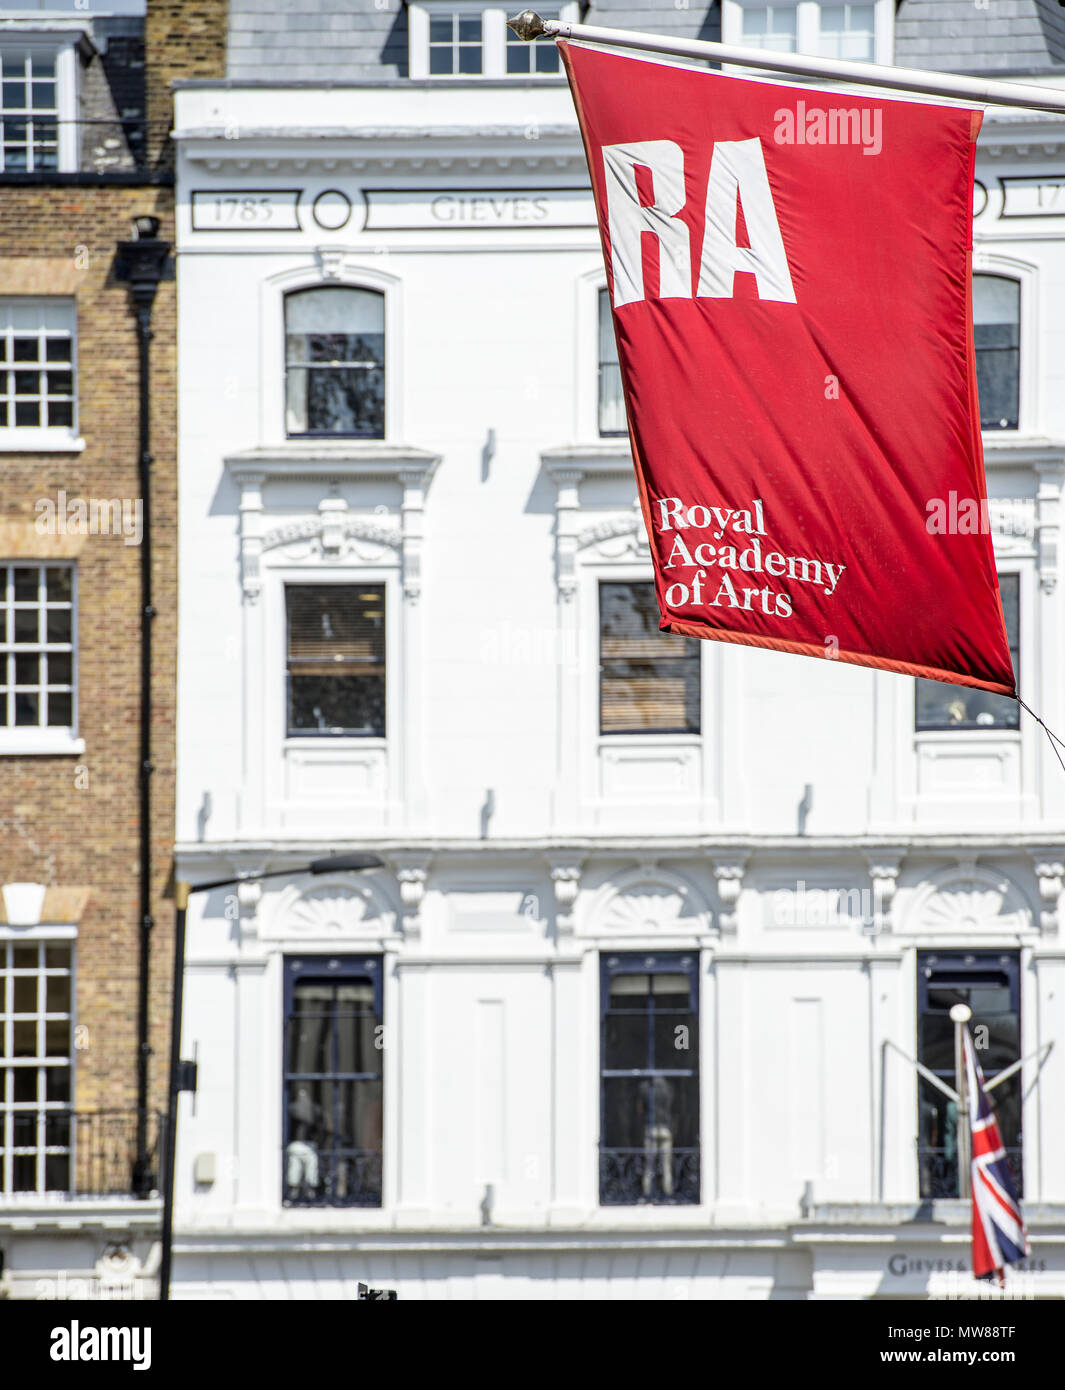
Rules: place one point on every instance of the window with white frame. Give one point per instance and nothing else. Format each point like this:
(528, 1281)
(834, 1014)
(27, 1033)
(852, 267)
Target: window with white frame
(36, 368)
(336, 660)
(997, 336)
(37, 646)
(611, 399)
(29, 111)
(36, 1060)
(335, 362)
(847, 32)
(456, 43)
(770, 26)
(853, 33)
(448, 39)
(539, 58)
(649, 680)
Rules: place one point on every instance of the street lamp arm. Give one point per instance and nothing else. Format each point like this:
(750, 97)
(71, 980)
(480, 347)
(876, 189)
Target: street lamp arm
(331, 864)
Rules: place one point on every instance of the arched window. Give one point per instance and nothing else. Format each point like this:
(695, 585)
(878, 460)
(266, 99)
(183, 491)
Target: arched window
(997, 330)
(335, 363)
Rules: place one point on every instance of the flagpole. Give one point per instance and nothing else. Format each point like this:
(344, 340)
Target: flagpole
(528, 26)
(960, 1015)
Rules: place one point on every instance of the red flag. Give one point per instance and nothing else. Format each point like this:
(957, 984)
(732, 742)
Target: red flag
(790, 271)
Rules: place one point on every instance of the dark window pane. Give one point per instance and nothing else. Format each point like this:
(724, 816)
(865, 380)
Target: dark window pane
(57, 1131)
(625, 1043)
(59, 584)
(60, 710)
(57, 1080)
(27, 349)
(57, 349)
(518, 57)
(14, 96)
(24, 1173)
(26, 584)
(59, 624)
(25, 1084)
(27, 669)
(676, 1040)
(57, 1037)
(546, 57)
(58, 994)
(24, 1038)
(25, 994)
(27, 414)
(60, 668)
(441, 62)
(27, 709)
(440, 28)
(57, 957)
(470, 60)
(470, 29)
(57, 1172)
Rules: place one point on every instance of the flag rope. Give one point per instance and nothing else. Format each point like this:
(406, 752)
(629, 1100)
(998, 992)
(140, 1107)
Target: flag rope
(1051, 735)
(529, 25)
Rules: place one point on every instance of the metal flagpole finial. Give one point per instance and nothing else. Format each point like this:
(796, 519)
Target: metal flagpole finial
(528, 25)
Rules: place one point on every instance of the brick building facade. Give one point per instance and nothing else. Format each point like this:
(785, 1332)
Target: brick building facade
(70, 819)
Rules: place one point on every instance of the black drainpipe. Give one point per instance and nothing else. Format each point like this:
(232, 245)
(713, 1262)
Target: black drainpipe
(140, 263)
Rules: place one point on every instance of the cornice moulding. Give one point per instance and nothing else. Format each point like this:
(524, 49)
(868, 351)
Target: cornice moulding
(329, 461)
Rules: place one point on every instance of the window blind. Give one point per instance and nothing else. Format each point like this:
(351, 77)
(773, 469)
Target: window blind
(649, 680)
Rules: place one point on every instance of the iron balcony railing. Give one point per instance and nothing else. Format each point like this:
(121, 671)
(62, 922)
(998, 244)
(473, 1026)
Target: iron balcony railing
(938, 1171)
(658, 1174)
(54, 1154)
(312, 1176)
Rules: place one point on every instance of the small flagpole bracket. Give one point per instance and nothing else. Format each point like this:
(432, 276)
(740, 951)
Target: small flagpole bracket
(528, 26)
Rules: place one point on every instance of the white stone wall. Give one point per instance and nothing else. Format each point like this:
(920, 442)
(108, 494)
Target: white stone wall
(519, 843)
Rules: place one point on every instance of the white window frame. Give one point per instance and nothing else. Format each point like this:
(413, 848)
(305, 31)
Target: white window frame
(988, 262)
(64, 47)
(51, 439)
(37, 937)
(272, 422)
(32, 740)
(493, 39)
(808, 26)
(280, 749)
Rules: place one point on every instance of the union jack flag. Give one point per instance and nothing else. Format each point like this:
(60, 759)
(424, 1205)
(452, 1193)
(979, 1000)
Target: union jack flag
(999, 1237)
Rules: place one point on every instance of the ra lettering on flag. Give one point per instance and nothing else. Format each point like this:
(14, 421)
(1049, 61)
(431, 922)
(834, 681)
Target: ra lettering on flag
(999, 1237)
(790, 273)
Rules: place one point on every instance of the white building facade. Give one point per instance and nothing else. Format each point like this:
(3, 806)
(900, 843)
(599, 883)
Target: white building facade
(631, 1009)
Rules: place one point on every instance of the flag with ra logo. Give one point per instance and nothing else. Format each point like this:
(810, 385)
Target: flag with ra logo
(790, 273)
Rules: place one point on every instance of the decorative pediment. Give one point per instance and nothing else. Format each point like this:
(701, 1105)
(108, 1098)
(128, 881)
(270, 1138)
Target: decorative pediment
(319, 539)
(617, 537)
(650, 902)
(970, 901)
(333, 534)
(332, 911)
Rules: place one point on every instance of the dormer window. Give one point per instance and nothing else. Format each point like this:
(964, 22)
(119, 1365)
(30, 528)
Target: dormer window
(859, 33)
(451, 40)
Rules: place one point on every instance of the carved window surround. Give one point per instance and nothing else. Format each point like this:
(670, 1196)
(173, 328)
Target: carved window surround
(364, 784)
(331, 464)
(609, 781)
